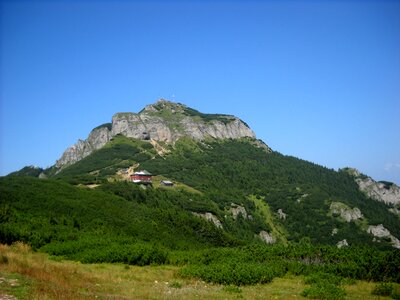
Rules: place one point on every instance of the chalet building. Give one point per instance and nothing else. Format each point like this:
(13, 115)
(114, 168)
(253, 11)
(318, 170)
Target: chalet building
(142, 177)
(166, 183)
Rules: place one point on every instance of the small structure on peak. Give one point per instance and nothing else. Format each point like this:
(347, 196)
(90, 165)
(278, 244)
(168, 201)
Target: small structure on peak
(142, 177)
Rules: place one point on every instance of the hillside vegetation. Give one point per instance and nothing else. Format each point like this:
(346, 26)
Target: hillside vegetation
(87, 212)
(234, 172)
(49, 212)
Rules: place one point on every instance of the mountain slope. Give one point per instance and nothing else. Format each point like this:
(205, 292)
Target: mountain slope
(73, 219)
(233, 180)
(232, 170)
(301, 196)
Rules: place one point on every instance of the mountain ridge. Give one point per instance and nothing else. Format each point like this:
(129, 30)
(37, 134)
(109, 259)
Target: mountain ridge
(163, 121)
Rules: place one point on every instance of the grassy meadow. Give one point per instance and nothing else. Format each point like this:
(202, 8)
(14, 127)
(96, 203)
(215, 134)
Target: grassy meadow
(25, 274)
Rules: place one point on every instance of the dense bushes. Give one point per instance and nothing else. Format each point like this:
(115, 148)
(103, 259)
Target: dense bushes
(325, 266)
(324, 290)
(383, 289)
(97, 250)
(237, 273)
(231, 170)
(39, 212)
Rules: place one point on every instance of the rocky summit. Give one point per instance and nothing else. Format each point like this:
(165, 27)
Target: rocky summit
(163, 121)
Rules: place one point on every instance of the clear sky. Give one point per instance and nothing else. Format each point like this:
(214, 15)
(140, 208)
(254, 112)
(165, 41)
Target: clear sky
(319, 80)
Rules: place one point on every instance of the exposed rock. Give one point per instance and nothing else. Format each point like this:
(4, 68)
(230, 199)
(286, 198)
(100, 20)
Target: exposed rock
(281, 214)
(236, 210)
(302, 198)
(379, 231)
(380, 191)
(43, 176)
(386, 192)
(96, 139)
(74, 153)
(128, 124)
(163, 121)
(210, 217)
(160, 149)
(266, 237)
(342, 243)
(394, 210)
(262, 145)
(345, 212)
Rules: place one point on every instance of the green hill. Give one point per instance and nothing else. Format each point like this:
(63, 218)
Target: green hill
(228, 174)
(71, 220)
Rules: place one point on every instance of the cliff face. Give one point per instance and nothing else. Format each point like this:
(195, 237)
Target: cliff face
(389, 194)
(96, 139)
(386, 192)
(163, 121)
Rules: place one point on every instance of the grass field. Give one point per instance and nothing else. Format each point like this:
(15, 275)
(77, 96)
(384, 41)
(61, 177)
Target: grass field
(28, 275)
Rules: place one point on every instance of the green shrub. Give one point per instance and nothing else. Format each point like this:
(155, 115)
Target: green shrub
(324, 290)
(383, 289)
(92, 250)
(396, 295)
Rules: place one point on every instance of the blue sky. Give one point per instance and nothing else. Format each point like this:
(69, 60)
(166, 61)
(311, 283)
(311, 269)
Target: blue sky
(319, 80)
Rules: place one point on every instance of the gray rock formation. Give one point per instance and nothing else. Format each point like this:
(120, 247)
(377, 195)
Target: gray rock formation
(342, 243)
(389, 193)
(395, 211)
(96, 139)
(266, 237)
(210, 217)
(236, 210)
(281, 214)
(379, 231)
(163, 121)
(345, 212)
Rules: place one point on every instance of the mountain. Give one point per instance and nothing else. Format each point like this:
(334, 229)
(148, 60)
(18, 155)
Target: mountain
(229, 189)
(163, 121)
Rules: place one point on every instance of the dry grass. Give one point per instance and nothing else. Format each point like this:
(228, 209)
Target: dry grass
(48, 279)
(29, 275)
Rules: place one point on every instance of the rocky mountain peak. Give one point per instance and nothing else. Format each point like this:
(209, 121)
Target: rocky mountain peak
(164, 121)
